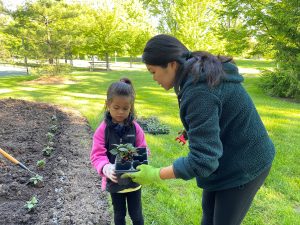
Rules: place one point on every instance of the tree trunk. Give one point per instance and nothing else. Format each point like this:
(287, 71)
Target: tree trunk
(25, 57)
(130, 61)
(93, 64)
(71, 60)
(26, 64)
(107, 61)
(51, 60)
(229, 22)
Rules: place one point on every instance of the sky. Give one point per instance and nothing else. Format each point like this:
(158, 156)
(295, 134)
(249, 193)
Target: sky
(12, 4)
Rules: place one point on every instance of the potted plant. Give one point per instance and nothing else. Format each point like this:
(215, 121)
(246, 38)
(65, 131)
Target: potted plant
(128, 158)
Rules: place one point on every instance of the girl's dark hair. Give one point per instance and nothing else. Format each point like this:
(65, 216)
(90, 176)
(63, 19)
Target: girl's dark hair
(123, 87)
(163, 49)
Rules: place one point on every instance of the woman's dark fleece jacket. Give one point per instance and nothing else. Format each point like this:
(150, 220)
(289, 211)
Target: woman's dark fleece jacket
(229, 145)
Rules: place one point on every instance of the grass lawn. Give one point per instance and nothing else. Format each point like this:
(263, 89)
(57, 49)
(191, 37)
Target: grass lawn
(178, 202)
(255, 64)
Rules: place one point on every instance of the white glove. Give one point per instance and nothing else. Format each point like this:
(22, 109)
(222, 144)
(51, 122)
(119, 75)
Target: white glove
(109, 172)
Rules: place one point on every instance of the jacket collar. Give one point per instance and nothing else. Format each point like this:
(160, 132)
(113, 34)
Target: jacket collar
(231, 75)
(110, 123)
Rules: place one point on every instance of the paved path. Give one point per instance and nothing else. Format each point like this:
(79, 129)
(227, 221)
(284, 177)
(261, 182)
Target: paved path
(9, 70)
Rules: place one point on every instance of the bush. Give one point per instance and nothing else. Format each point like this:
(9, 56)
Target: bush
(52, 69)
(281, 83)
(152, 125)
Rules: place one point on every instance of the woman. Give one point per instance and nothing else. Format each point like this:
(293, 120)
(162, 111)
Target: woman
(230, 150)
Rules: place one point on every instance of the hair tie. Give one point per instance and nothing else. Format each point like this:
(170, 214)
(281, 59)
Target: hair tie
(187, 55)
(125, 80)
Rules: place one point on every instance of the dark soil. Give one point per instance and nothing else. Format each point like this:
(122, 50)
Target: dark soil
(71, 188)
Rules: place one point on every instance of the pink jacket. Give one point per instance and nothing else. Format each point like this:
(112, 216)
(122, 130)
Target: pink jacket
(98, 154)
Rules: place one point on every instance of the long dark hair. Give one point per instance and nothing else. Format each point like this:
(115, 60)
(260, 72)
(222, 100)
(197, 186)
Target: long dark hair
(123, 87)
(162, 49)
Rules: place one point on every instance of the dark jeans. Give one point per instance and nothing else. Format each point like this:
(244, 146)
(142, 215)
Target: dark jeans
(134, 203)
(230, 206)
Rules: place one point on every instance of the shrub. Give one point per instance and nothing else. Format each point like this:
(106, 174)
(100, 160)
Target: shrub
(152, 125)
(281, 83)
(51, 69)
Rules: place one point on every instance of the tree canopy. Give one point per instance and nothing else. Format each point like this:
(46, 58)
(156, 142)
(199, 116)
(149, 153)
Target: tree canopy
(51, 29)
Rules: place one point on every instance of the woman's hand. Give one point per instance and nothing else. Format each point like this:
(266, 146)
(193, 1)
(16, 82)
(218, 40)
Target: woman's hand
(109, 172)
(146, 175)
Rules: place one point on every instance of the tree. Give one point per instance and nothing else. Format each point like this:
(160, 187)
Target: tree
(235, 36)
(192, 22)
(274, 25)
(45, 28)
(106, 34)
(138, 28)
(17, 28)
(4, 38)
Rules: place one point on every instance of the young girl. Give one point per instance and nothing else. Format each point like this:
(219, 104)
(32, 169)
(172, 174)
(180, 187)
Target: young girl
(118, 127)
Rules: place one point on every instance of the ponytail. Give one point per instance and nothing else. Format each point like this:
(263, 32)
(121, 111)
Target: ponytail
(163, 49)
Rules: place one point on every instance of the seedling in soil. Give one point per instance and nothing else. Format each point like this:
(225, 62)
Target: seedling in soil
(47, 151)
(37, 180)
(53, 128)
(31, 204)
(124, 151)
(50, 136)
(41, 164)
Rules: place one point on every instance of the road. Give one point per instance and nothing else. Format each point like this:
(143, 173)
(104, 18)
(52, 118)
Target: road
(9, 70)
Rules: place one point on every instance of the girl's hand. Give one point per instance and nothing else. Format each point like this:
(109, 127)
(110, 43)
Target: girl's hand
(109, 172)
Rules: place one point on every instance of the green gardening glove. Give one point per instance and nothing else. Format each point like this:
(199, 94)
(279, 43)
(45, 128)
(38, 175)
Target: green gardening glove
(146, 175)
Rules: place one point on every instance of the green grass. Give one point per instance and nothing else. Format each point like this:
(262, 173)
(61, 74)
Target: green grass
(254, 64)
(178, 202)
(127, 59)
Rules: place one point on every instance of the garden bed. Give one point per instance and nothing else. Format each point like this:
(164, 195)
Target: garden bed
(70, 193)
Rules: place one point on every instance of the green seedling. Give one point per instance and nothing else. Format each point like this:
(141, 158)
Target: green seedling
(54, 118)
(50, 136)
(124, 151)
(53, 128)
(41, 164)
(36, 180)
(47, 151)
(31, 204)
(152, 125)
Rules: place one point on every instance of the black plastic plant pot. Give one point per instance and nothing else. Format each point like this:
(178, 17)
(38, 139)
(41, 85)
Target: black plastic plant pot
(130, 166)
